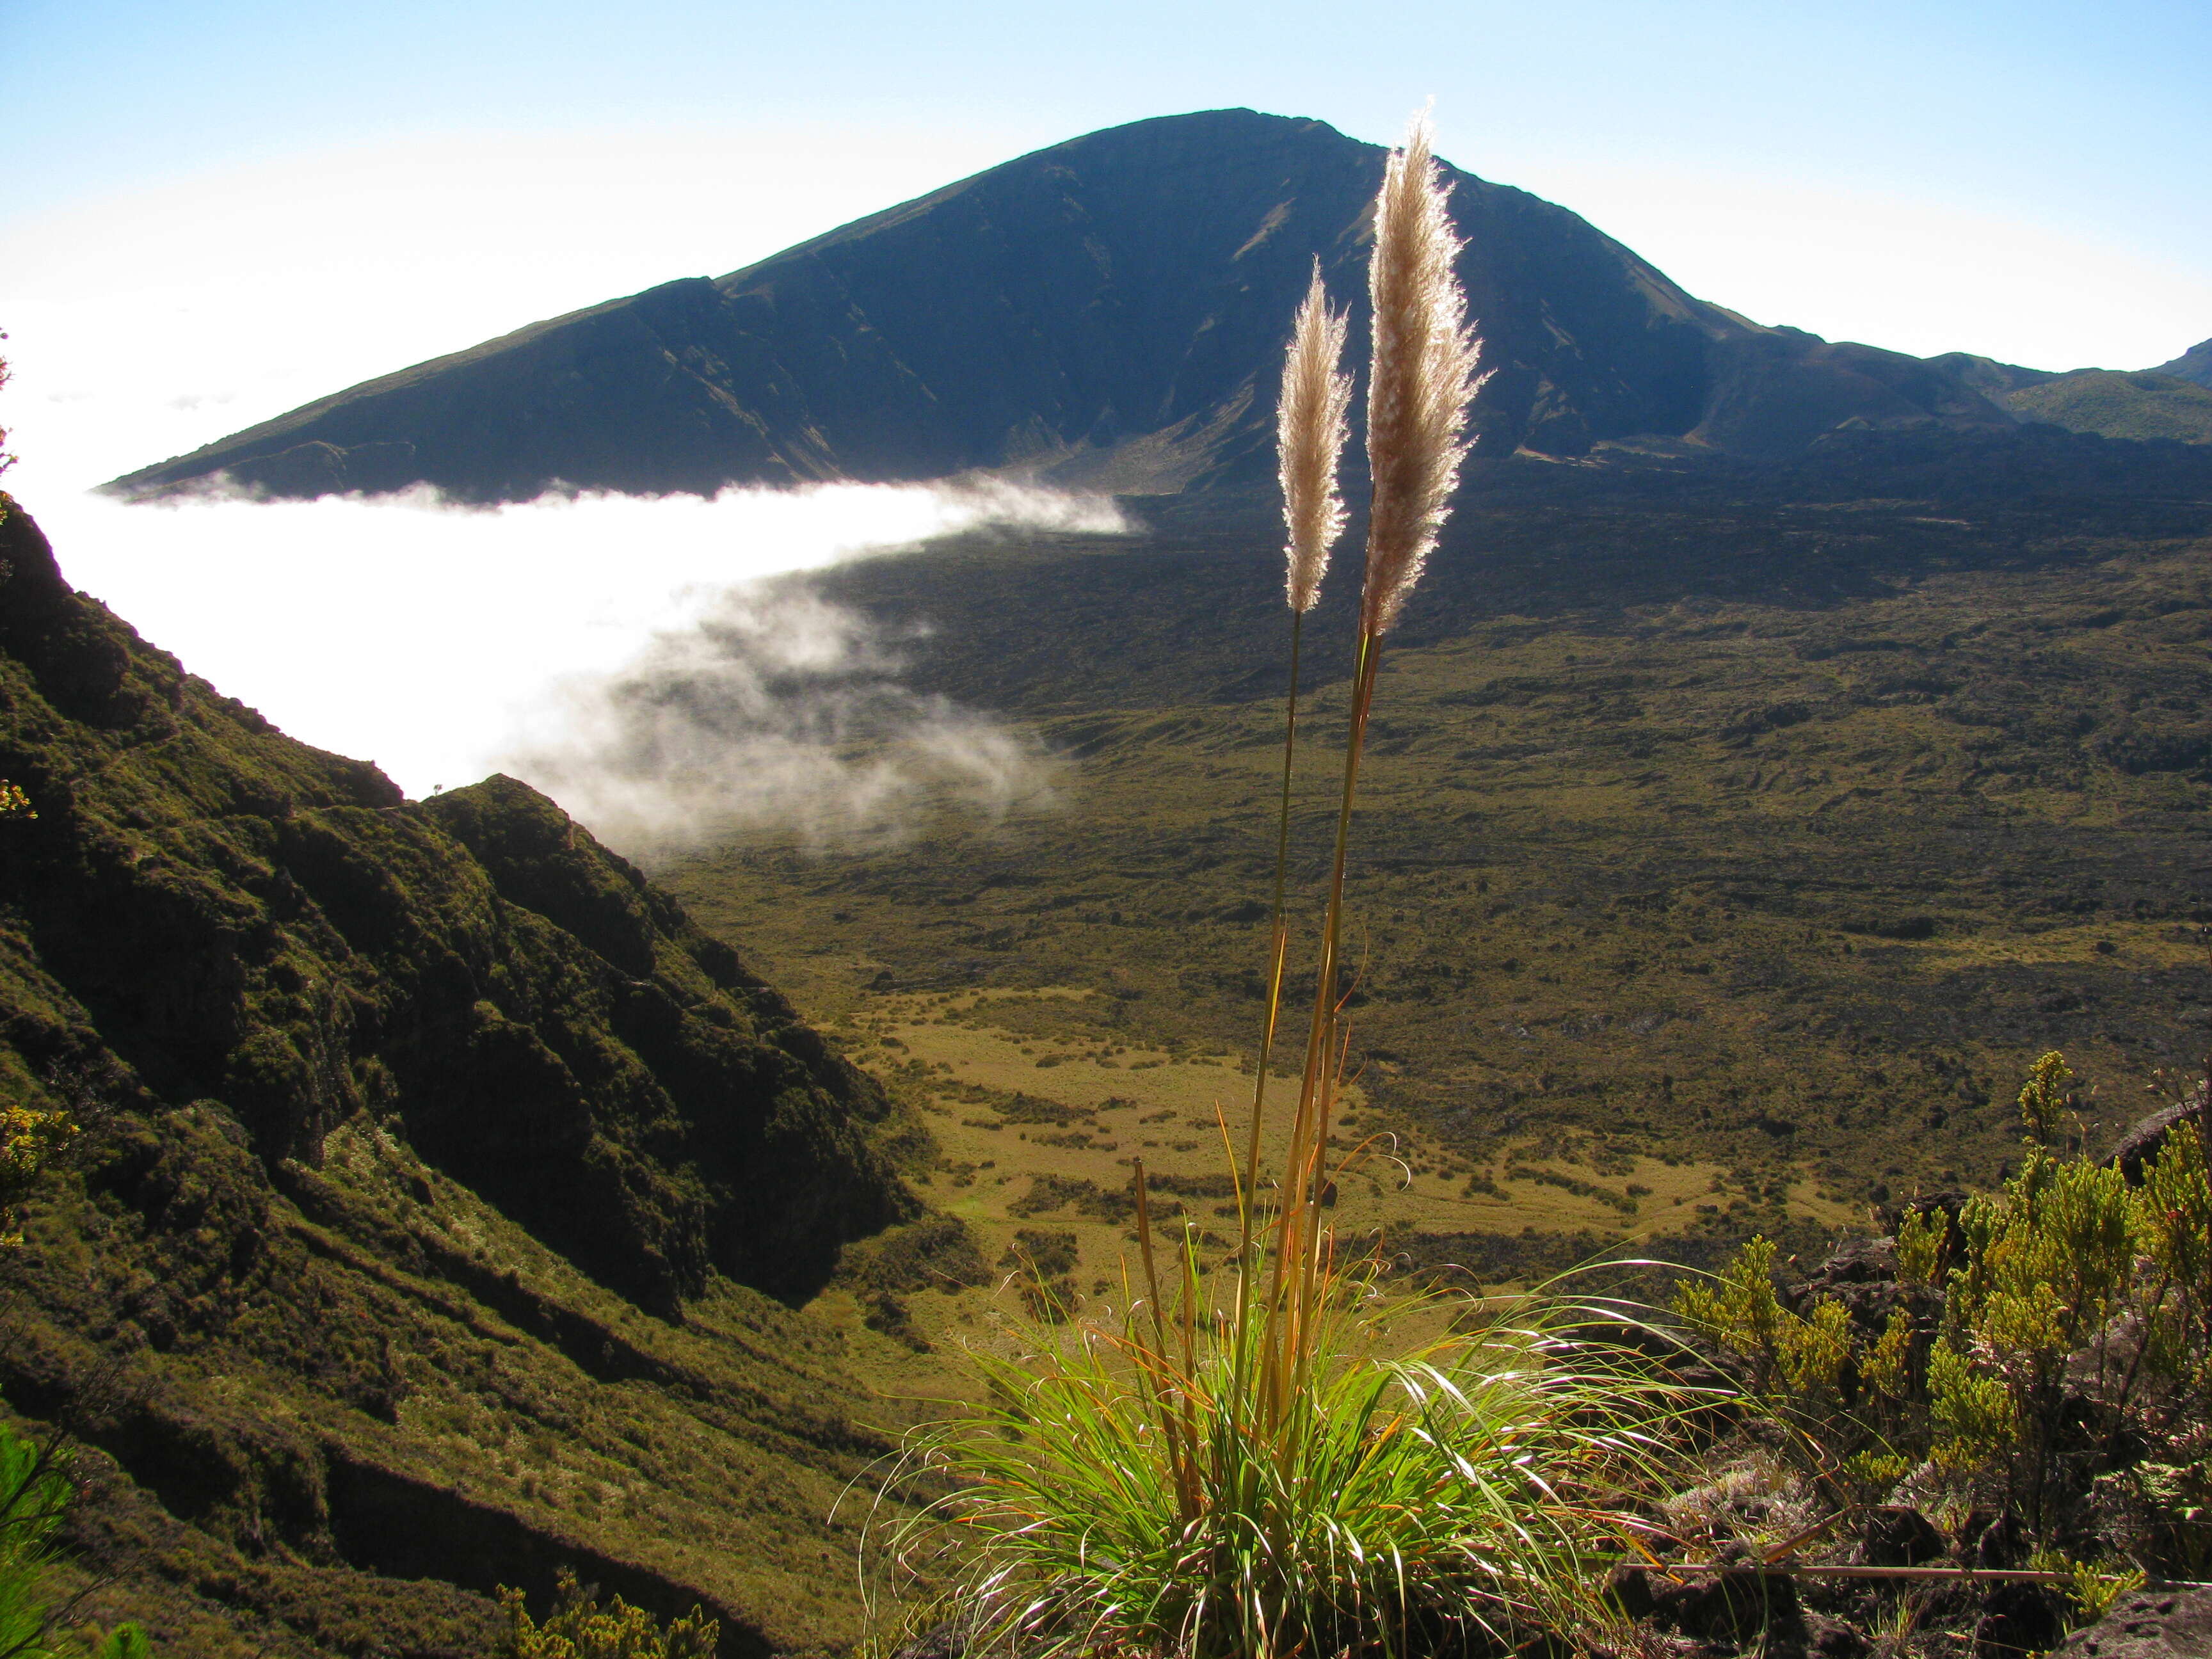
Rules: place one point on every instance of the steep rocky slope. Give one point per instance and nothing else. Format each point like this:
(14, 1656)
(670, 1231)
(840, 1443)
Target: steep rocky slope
(1109, 311)
(440, 1183)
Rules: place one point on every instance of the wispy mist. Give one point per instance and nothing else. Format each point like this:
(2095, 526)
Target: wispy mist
(656, 665)
(778, 709)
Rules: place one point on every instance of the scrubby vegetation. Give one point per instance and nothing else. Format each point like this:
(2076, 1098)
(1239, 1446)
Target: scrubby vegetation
(1768, 823)
(2145, 406)
(578, 1627)
(2037, 1361)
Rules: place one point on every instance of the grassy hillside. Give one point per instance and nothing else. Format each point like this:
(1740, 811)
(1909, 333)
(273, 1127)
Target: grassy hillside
(442, 1193)
(1765, 827)
(2138, 406)
(2194, 364)
(457, 1207)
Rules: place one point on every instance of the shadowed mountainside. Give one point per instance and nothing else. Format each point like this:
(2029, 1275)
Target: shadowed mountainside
(1109, 312)
(440, 1185)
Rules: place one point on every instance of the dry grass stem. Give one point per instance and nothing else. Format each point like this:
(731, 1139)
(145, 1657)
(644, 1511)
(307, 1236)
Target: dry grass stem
(1310, 428)
(1423, 377)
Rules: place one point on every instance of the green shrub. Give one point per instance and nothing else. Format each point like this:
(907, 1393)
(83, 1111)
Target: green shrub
(2074, 1313)
(29, 1140)
(579, 1628)
(935, 1253)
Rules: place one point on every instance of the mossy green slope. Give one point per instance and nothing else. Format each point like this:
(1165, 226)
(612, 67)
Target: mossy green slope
(443, 1191)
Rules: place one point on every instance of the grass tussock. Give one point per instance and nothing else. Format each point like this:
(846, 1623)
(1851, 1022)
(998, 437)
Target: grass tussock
(1129, 1490)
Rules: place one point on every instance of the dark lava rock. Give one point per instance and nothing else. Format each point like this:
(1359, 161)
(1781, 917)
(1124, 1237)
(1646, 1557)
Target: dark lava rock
(2018, 1619)
(1831, 1638)
(1733, 1607)
(1856, 1262)
(2149, 1625)
(2140, 1144)
(1896, 1535)
(945, 1641)
(1629, 1588)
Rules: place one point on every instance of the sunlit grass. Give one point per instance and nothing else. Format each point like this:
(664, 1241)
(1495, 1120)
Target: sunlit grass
(1427, 1489)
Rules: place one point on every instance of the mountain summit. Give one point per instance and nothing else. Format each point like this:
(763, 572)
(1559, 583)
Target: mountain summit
(1109, 312)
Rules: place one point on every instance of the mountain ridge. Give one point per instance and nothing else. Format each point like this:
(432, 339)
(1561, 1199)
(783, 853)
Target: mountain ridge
(1106, 313)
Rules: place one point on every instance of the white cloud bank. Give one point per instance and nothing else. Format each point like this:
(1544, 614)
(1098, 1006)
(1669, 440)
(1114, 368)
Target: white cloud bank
(629, 656)
(145, 324)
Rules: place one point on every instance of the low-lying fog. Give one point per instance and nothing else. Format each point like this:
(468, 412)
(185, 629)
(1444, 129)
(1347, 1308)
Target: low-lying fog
(636, 658)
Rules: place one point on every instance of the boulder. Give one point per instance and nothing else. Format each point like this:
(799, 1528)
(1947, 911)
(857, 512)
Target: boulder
(2148, 1625)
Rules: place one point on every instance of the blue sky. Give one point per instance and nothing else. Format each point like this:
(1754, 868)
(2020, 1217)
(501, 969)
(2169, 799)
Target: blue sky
(2096, 115)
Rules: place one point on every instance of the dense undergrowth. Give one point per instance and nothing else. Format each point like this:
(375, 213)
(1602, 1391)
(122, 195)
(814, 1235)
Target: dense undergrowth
(36, 1493)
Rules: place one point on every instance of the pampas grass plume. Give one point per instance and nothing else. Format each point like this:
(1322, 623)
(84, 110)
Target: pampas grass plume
(1310, 428)
(1422, 380)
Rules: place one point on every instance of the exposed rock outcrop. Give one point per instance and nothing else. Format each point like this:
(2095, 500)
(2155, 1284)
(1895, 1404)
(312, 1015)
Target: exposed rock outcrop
(2148, 1625)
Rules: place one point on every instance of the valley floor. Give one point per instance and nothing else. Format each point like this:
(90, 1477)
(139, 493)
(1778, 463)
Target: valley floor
(1738, 899)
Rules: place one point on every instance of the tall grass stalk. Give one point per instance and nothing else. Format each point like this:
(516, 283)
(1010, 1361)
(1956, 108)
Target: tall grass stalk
(1421, 379)
(1310, 429)
(1314, 1465)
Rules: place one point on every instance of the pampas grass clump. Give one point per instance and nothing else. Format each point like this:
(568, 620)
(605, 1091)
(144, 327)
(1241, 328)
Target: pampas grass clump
(1312, 1463)
(1423, 379)
(1311, 427)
